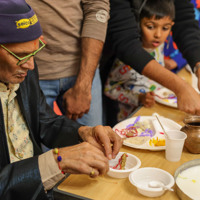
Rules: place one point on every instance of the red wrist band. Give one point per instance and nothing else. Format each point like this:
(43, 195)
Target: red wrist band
(59, 158)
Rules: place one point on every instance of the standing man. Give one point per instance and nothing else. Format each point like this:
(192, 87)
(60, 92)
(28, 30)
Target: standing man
(68, 68)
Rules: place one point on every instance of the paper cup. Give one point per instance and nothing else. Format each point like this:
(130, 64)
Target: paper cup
(174, 145)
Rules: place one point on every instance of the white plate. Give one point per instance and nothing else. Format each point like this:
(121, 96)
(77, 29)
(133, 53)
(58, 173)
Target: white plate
(165, 96)
(168, 124)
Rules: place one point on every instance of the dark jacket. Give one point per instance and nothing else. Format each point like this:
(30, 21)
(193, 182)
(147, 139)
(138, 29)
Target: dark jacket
(21, 180)
(123, 37)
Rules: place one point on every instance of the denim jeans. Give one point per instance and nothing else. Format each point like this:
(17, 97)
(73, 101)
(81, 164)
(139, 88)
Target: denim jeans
(54, 90)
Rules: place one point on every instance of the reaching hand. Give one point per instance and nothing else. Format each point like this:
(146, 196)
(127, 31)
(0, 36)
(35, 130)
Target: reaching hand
(188, 100)
(147, 99)
(103, 137)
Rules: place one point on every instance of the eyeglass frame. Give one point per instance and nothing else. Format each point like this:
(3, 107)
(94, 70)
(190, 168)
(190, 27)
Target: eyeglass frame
(26, 58)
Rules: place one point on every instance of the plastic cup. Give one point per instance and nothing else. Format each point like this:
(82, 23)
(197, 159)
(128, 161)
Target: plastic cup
(174, 145)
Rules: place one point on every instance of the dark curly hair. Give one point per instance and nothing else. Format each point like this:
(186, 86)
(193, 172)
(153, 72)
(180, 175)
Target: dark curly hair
(157, 9)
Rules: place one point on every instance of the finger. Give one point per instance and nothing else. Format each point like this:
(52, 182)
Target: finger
(93, 173)
(87, 111)
(68, 115)
(104, 139)
(150, 101)
(152, 93)
(99, 163)
(88, 170)
(80, 115)
(74, 117)
(116, 146)
(102, 166)
(116, 141)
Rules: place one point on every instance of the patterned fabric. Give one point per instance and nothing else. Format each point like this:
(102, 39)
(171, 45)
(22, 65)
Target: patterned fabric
(19, 143)
(124, 84)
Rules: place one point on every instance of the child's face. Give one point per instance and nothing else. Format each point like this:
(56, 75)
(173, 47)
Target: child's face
(155, 31)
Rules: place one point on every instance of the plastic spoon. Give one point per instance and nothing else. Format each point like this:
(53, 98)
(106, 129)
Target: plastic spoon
(158, 184)
(162, 127)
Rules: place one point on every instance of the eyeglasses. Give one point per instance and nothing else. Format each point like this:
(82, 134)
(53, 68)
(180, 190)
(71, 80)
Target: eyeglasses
(26, 58)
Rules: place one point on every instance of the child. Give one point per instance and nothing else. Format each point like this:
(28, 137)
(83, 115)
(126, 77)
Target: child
(124, 83)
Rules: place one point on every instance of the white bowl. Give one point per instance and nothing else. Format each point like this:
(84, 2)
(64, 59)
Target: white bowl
(132, 163)
(141, 178)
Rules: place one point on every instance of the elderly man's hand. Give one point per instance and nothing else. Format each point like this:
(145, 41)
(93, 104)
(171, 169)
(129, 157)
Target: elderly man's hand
(103, 137)
(83, 158)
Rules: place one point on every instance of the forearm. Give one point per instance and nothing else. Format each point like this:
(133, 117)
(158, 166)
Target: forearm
(91, 52)
(156, 72)
(77, 99)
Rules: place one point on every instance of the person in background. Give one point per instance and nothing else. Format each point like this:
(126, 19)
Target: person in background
(68, 67)
(26, 120)
(126, 85)
(123, 42)
(174, 60)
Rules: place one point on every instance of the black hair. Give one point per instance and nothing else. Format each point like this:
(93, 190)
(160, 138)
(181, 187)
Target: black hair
(157, 9)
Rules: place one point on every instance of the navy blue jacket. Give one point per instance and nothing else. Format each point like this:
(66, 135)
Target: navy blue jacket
(21, 180)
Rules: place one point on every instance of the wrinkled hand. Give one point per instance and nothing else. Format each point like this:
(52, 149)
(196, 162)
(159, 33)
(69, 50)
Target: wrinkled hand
(102, 137)
(188, 100)
(76, 102)
(170, 64)
(83, 159)
(147, 99)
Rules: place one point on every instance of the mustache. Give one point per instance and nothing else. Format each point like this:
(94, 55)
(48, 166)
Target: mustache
(21, 71)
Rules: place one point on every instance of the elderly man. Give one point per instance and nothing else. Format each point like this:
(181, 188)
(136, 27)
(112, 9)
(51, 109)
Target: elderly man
(26, 120)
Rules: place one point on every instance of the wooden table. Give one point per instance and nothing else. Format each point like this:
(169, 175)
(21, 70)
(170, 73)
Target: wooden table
(106, 188)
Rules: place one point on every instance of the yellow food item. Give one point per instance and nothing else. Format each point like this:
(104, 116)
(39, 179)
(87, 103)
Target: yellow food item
(123, 161)
(157, 142)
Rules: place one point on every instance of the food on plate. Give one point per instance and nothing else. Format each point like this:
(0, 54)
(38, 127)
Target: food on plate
(121, 162)
(157, 142)
(138, 132)
(167, 95)
(137, 128)
(137, 140)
